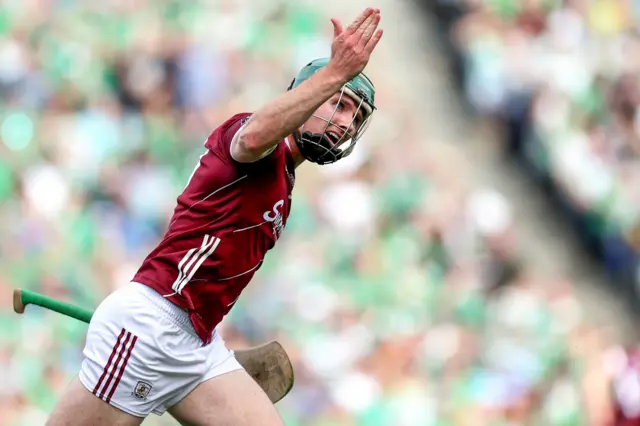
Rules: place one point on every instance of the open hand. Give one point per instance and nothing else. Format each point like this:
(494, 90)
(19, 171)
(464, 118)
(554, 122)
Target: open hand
(351, 48)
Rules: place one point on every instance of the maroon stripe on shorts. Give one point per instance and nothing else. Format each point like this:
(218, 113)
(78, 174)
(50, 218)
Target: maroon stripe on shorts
(124, 365)
(115, 368)
(106, 367)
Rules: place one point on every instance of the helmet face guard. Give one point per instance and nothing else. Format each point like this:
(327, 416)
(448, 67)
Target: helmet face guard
(335, 142)
(327, 147)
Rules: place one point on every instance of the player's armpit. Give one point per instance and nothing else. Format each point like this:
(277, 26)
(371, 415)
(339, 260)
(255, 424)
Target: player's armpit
(243, 151)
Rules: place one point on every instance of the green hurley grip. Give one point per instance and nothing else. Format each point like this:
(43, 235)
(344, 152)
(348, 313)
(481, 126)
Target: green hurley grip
(28, 297)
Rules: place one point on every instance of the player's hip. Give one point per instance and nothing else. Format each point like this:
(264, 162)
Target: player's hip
(142, 354)
(139, 309)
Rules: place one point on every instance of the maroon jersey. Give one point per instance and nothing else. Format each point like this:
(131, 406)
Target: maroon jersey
(626, 389)
(227, 218)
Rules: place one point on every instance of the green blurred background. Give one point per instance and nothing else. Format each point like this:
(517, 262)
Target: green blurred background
(403, 288)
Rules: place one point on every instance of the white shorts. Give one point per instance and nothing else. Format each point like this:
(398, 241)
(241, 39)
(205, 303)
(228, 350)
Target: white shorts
(143, 356)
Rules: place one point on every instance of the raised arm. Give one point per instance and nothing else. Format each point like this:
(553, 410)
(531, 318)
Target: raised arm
(350, 52)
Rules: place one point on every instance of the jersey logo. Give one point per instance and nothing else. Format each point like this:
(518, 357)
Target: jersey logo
(275, 218)
(142, 389)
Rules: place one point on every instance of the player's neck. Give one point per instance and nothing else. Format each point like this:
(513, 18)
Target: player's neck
(295, 152)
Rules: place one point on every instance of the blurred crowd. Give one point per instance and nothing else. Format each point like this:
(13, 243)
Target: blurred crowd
(397, 289)
(563, 78)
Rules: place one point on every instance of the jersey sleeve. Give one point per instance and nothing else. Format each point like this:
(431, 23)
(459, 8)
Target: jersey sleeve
(221, 140)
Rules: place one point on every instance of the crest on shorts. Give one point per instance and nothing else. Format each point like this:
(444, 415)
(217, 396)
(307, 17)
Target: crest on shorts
(141, 390)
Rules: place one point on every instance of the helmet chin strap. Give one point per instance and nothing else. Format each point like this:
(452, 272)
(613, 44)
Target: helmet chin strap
(316, 148)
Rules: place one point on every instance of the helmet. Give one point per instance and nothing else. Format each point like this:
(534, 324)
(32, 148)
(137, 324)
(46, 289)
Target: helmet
(318, 147)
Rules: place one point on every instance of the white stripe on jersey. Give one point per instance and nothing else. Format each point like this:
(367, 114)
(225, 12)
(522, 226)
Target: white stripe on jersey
(206, 198)
(180, 270)
(239, 275)
(186, 272)
(195, 169)
(249, 227)
(186, 280)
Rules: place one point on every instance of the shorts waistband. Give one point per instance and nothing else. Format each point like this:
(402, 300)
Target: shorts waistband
(176, 313)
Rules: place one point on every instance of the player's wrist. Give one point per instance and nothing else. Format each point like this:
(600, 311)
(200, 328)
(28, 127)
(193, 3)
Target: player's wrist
(333, 75)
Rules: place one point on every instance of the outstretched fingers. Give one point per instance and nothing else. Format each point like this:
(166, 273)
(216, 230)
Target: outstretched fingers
(352, 47)
(373, 41)
(369, 29)
(355, 25)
